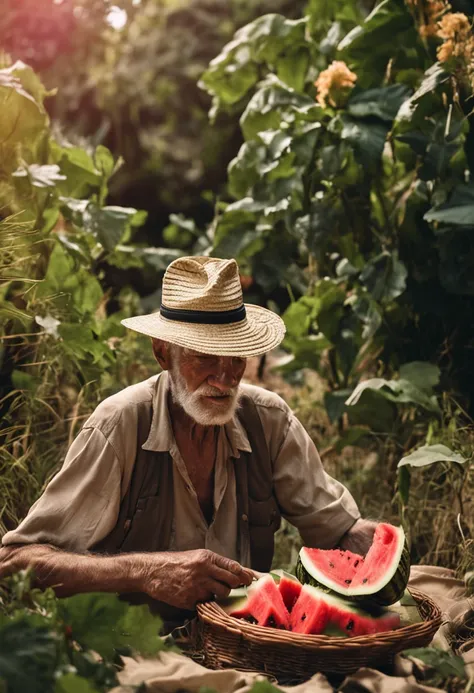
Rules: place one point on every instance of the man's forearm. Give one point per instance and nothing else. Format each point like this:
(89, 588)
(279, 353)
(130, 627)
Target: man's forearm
(71, 573)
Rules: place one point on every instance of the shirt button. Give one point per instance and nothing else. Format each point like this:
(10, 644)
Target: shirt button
(245, 518)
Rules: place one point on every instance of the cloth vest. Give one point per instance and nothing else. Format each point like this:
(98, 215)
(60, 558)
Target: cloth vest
(146, 511)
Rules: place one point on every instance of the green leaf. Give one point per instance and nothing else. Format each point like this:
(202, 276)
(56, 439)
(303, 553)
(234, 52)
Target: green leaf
(429, 454)
(367, 138)
(444, 663)
(432, 78)
(78, 167)
(140, 630)
(243, 169)
(262, 112)
(292, 68)
(369, 313)
(64, 278)
(371, 43)
(103, 623)
(459, 210)
(22, 380)
(385, 276)
(398, 391)
(235, 71)
(46, 176)
(335, 403)
(404, 480)
(93, 618)
(383, 102)
(23, 120)
(374, 411)
(104, 161)
(72, 683)
(423, 375)
(108, 224)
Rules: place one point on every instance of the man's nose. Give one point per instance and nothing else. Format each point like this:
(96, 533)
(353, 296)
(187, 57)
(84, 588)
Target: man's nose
(224, 376)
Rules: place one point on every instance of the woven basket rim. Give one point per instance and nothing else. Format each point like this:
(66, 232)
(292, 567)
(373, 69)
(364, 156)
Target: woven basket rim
(213, 614)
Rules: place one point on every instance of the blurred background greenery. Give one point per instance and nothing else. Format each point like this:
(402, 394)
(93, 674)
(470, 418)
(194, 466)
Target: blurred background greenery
(329, 147)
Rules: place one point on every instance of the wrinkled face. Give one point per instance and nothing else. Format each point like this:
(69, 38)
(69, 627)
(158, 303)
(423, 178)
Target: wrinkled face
(206, 387)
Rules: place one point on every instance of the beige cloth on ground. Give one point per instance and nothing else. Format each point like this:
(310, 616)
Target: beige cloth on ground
(172, 673)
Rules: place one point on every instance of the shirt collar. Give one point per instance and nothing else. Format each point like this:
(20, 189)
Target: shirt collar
(161, 437)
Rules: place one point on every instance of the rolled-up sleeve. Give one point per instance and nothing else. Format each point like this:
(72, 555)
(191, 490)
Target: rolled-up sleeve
(80, 505)
(320, 507)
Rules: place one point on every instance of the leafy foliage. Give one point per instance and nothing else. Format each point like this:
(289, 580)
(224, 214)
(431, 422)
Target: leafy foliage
(68, 646)
(58, 338)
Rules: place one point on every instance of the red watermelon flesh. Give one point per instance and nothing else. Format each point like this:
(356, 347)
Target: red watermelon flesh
(290, 590)
(351, 574)
(310, 614)
(317, 612)
(264, 605)
(379, 557)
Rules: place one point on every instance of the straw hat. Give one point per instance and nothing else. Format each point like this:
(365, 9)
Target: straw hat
(202, 309)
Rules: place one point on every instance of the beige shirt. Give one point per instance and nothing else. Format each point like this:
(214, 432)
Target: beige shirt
(80, 506)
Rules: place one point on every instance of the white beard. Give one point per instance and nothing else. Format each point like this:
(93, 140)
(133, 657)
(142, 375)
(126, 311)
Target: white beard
(195, 405)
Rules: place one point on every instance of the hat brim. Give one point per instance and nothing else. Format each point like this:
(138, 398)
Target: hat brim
(261, 331)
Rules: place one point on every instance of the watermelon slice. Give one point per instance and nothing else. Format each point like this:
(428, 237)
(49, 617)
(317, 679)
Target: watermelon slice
(317, 612)
(264, 605)
(290, 590)
(379, 579)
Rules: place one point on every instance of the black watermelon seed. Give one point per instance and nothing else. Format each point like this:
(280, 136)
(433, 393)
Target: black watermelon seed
(271, 622)
(364, 580)
(350, 625)
(331, 565)
(348, 582)
(303, 618)
(356, 563)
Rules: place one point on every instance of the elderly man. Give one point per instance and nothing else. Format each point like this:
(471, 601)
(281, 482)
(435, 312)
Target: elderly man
(175, 486)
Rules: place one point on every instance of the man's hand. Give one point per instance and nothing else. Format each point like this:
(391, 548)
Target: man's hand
(359, 537)
(183, 578)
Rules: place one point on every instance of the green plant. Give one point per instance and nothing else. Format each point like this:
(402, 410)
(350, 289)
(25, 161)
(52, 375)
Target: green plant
(51, 645)
(61, 349)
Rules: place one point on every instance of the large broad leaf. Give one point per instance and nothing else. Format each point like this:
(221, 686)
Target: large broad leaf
(429, 454)
(397, 391)
(385, 276)
(383, 102)
(81, 290)
(262, 112)
(423, 375)
(432, 78)
(23, 119)
(367, 138)
(243, 169)
(459, 210)
(46, 176)
(108, 224)
(369, 313)
(235, 71)
(335, 403)
(371, 43)
(103, 623)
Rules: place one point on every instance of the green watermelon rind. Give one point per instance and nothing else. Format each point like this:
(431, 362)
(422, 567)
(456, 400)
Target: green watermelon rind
(388, 590)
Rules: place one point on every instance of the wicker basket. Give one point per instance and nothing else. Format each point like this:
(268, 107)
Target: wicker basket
(229, 642)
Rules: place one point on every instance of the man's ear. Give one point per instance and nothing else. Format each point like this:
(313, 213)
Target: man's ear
(162, 353)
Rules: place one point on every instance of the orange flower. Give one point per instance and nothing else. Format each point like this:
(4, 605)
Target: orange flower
(454, 26)
(337, 78)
